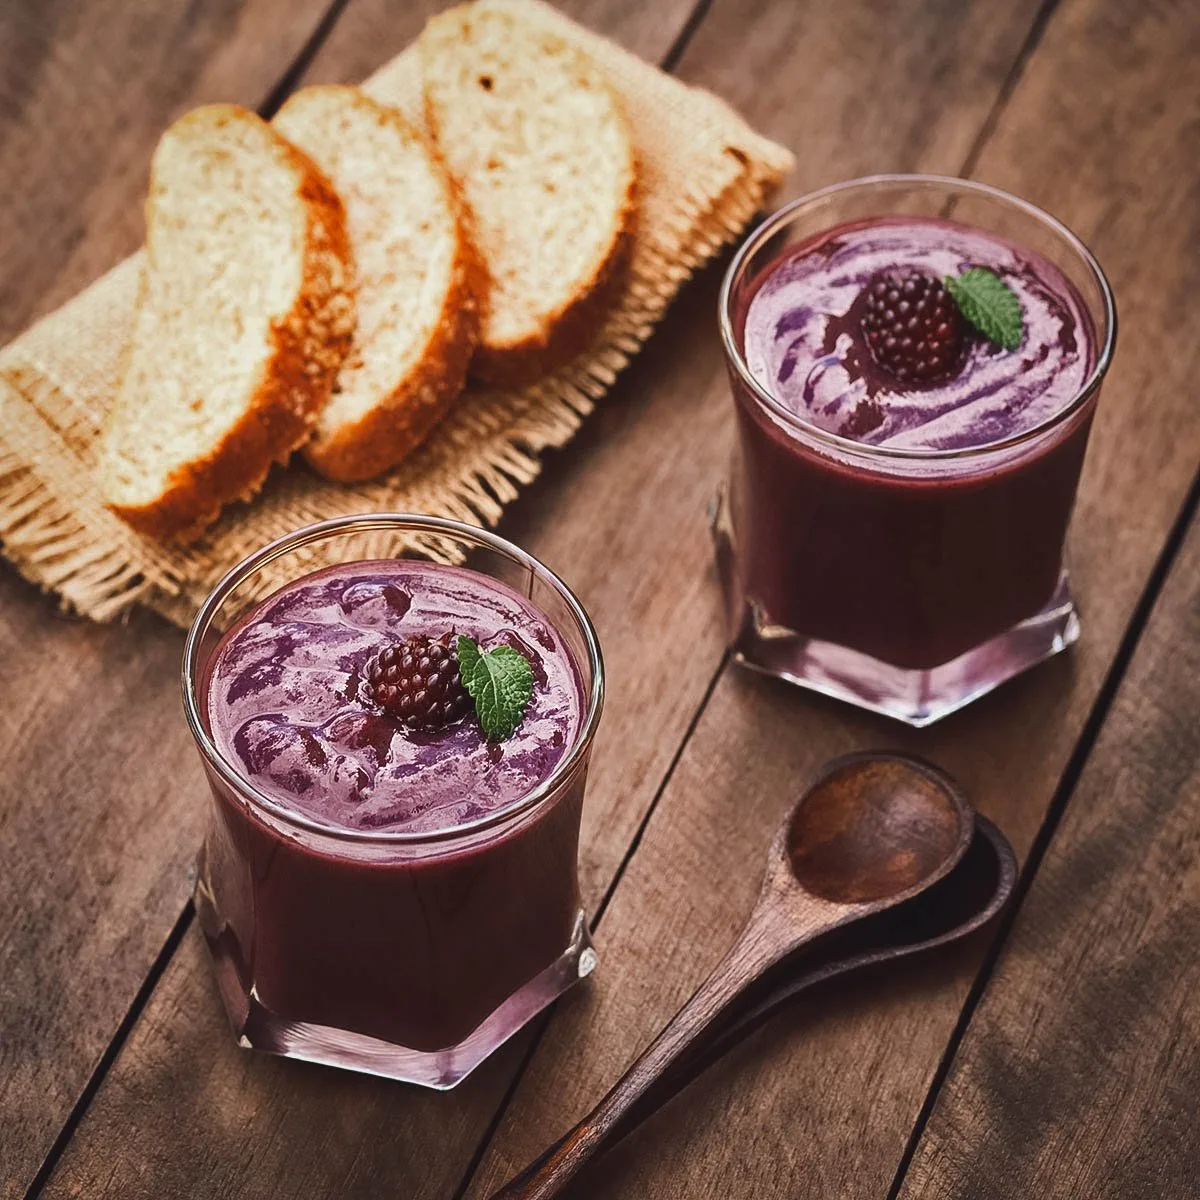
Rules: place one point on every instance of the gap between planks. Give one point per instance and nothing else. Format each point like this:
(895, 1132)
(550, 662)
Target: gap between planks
(1033, 39)
(272, 102)
(1054, 815)
(286, 83)
(274, 98)
(669, 61)
(1075, 764)
(116, 1043)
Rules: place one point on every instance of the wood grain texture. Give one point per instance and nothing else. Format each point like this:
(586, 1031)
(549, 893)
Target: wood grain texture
(822, 1103)
(870, 833)
(1077, 1074)
(583, 519)
(85, 91)
(370, 32)
(642, 568)
(97, 799)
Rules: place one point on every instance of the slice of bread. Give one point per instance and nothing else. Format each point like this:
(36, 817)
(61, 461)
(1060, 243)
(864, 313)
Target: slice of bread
(537, 142)
(246, 313)
(417, 281)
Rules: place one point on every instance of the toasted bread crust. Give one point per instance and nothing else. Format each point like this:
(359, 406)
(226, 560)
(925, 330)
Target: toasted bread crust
(392, 428)
(390, 431)
(309, 345)
(573, 328)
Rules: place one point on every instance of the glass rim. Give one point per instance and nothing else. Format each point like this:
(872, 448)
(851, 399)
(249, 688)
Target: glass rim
(382, 521)
(772, 224)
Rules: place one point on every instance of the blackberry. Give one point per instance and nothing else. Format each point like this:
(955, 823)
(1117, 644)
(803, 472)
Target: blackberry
(913, 327)
(416, 681)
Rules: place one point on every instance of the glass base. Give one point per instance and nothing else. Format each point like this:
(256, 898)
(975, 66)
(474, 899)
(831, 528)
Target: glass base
(258, 1028)
(918, 697)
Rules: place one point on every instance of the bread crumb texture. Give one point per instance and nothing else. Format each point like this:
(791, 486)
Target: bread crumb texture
(245, 314)
(535, 138)
(416, 282)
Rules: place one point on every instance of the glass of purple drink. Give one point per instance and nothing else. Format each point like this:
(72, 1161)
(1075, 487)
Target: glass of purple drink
(383, 891)
(892, 532)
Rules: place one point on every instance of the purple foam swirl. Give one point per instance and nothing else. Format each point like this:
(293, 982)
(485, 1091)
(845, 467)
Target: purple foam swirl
(803, 344)
(285, 703)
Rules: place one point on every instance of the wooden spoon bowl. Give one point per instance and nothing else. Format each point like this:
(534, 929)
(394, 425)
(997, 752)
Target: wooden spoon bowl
(874, 827)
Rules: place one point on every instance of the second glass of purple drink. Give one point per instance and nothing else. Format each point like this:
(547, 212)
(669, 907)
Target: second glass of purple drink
(412, 951)
(906, 580)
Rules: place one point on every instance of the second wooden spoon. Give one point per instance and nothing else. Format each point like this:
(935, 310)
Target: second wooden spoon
(871, 832)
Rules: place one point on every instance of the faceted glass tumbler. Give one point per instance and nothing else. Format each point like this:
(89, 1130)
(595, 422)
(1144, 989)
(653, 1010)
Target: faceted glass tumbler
(407, 955)
(909, 582)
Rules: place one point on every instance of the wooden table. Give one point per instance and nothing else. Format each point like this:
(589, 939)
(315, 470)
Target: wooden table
(1057, 1054)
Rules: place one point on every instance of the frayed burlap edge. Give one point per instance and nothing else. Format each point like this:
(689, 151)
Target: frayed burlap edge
(705, 174)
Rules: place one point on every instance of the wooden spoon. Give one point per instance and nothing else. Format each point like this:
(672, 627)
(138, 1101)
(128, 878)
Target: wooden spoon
(968, 897)
(871, 832)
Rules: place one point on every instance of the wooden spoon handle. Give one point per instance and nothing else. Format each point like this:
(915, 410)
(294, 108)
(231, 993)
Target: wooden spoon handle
(757, 951)
(704, 1050)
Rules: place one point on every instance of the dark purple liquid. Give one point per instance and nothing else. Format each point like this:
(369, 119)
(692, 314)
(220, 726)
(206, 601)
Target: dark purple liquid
(912, 562)
(414, 944)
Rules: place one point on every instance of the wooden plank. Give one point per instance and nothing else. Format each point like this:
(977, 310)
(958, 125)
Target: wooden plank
(822, 1102)
(370, 32)
(639, 566)
(85, 91)
(377, 32)
(1077, 1074)
(578, 518)
(97, 801)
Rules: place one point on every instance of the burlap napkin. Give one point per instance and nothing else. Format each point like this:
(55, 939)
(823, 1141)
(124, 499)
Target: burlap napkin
(703, 175)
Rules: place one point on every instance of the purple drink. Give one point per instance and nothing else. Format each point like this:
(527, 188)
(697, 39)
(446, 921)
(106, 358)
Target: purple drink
(376, 895)
(286, 704)
(898, 542)
(803, 342)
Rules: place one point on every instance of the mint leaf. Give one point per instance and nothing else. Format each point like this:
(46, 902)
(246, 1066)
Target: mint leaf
(989, 304)
(501, 684)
